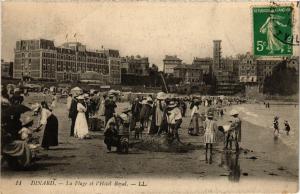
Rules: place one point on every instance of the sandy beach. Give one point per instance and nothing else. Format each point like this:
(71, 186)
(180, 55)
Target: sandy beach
(262, 158)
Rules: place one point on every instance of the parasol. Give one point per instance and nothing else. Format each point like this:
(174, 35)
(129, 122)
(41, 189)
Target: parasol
(17, 109)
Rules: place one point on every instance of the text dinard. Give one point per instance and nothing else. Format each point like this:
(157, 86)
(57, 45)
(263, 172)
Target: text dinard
(53, 182)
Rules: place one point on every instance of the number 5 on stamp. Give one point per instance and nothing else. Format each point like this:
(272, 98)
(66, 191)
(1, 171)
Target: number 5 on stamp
(272, 31)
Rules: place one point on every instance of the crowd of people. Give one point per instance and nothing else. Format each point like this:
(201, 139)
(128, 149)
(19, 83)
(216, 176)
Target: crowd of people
(19, 138)
(156, 114)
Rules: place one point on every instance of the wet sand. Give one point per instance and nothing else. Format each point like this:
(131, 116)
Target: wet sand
(262, 158)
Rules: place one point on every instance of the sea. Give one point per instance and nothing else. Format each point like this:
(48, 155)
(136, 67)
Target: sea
(259, 115)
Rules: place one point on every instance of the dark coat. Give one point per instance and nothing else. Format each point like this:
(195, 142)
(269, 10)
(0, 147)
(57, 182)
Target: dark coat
(50, 137)
(73, 109)
(109, 108)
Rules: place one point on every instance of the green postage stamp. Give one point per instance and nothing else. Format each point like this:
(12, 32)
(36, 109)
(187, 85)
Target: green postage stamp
(272, 31)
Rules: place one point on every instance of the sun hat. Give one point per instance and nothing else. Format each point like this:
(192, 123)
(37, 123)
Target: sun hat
(85, 95)
(26, 119)
(196, 100)
(172, 104)
(161, 96)
(81, 97)
(234, 112)
(35, 107)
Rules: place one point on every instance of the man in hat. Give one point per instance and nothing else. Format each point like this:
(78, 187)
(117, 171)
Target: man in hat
(73, 113)
(235, 130)
(110, 106)
(174, 119)
(87, 105)
(135, 111)
(145, 113)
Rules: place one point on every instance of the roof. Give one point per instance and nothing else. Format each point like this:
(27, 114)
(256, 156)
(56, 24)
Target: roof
(171, 58)
(186, 66)
(203, 59)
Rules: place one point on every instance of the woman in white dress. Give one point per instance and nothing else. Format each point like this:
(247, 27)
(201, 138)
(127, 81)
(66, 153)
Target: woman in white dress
(81, 128)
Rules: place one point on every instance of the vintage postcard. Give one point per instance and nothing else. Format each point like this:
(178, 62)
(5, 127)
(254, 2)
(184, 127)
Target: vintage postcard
(149, 97)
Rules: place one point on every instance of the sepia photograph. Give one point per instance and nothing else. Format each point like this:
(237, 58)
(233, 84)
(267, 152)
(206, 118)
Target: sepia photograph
(149, 96)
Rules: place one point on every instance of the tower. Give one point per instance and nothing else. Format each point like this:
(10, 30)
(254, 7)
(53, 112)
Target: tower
(217, 54)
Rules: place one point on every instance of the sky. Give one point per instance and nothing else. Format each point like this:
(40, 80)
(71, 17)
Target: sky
(148, 29)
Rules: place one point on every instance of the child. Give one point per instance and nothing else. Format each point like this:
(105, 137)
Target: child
(235, 130)
(26, 132)
(287, 127)
(229, 137)
(210, 128)
(276, 125)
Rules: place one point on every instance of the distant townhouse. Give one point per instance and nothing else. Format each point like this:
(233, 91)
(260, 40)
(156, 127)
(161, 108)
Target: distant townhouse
(192, 74)
(204, 63)
(248, 69)
(138, 65)
(170, 62)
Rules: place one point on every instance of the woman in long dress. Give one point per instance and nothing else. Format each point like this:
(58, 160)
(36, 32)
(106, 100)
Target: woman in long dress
(195, 116)
(50, 123)
(270, 29)
(158, 111)
(81, 128)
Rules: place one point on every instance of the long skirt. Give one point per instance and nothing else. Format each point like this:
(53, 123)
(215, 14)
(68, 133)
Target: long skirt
(18, 154)
(50, 137)
(81, 128)
(195, 124)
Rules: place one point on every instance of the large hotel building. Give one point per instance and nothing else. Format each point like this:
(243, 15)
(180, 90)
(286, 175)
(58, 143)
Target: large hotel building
(42, 60)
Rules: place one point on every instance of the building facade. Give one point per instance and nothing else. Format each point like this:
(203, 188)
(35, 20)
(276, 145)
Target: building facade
(114, 64)
(6, 69)
(248, 69)
(135, 65)
(35, 58)
(192, 74)
(170, 62)
(40, 59)
(204, 63)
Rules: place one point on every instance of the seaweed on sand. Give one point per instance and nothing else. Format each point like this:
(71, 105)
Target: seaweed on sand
(163, 144)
